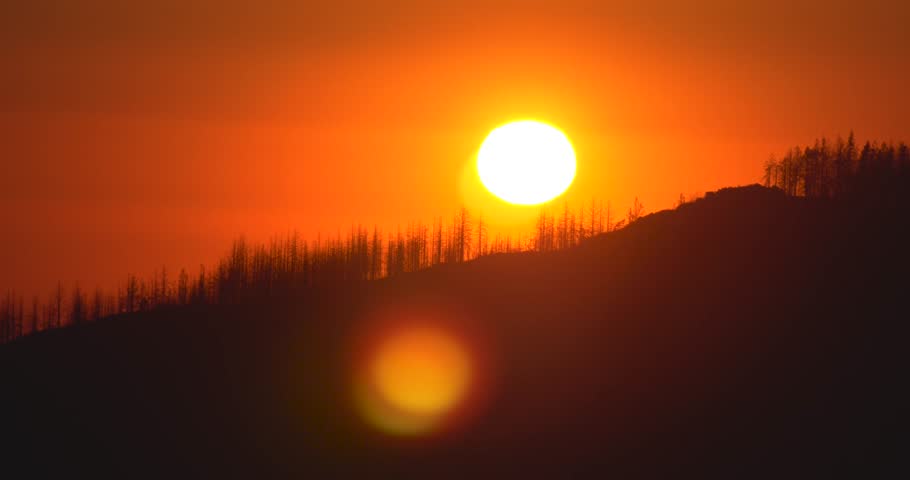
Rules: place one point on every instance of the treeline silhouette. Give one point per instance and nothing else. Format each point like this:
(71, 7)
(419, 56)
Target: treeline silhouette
(876, 172)
(839, 168)
(285, 266)
(741, 335)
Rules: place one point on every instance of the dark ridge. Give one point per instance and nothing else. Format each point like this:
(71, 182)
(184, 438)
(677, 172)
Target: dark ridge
(746, 334)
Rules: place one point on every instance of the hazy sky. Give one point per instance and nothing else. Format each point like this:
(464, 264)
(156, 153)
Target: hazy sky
(148, 133)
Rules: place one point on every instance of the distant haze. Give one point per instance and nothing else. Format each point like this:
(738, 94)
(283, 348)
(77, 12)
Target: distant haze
(151, 133)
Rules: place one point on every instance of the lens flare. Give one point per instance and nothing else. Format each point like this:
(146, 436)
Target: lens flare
(421, 371)
(415, 378)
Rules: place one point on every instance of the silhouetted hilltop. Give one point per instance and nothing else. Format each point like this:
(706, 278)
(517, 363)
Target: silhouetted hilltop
(748, 333)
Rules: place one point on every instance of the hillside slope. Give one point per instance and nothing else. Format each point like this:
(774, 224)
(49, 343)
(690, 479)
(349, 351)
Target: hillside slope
(746, 334)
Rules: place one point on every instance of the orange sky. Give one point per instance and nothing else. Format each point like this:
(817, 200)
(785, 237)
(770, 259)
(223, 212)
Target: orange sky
(154, 133)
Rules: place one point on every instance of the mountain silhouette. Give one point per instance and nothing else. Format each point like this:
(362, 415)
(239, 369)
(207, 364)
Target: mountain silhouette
(748, 333)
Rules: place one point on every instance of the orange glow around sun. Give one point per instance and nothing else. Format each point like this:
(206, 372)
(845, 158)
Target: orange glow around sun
(415, 377)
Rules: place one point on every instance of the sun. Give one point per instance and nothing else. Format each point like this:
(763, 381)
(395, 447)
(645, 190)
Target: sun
(526, 162)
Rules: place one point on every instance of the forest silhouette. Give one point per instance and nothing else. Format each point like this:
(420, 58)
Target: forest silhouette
(753, 331)
(287, 265)
(828, 169)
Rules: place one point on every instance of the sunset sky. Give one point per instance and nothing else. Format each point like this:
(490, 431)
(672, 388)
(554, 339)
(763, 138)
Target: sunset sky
(148, 133)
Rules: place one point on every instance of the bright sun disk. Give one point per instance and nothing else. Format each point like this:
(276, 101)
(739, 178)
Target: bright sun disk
(526, 162)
